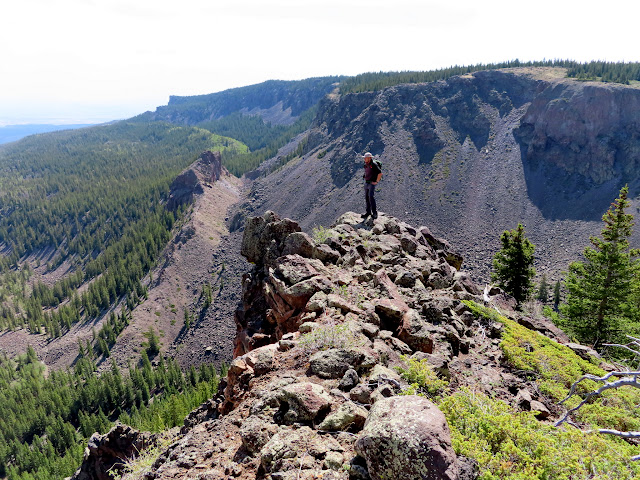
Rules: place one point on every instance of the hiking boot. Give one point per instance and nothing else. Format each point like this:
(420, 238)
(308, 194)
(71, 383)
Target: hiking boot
(374, 216)
(365, 215)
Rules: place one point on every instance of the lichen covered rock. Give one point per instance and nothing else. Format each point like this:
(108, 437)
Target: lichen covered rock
(407, 438)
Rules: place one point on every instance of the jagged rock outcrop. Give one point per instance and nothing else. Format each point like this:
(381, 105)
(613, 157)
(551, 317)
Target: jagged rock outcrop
(183, 188)
(207, 169)
(213, 162)
(108, 453)
(292, 270)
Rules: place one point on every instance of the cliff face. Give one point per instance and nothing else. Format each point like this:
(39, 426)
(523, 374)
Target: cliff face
(276, 101)
(472, 157)
(592, 130)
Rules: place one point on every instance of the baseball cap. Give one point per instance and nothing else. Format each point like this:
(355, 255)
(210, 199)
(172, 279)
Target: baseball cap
(367, 155)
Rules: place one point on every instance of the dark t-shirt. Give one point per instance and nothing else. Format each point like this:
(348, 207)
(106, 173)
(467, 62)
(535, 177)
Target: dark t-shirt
(371, 172)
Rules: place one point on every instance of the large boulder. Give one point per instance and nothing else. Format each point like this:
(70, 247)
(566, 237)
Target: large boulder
(334, 362)
(584, 352)
(417, 333)
(547, 328)
(299, 243)
(407, 438)
(305, 402)
(348, 416)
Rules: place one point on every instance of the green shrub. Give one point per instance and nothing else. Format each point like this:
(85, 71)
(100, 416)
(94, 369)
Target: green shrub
(421, 377)
(320, 234)
(557, 367)
(330, 335)
(510, 445)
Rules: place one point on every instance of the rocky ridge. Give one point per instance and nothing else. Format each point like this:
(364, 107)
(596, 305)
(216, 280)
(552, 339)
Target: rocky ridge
(313, 391)
(196, 255)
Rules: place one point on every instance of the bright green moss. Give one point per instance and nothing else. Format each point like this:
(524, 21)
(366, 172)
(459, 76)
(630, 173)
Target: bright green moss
(557, 366)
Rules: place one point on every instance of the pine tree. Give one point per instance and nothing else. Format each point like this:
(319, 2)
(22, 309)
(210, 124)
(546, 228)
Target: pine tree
(556, 295)
(598, 290)
(153, 342)
(543, 290)
(513, 264)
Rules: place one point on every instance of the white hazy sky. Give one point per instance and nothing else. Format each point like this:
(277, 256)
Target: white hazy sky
(75, 61)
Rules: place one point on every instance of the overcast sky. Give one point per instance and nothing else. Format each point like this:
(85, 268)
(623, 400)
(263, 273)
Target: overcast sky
(76, 61)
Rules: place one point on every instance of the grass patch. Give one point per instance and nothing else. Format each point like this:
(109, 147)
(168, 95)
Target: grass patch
(330, 335)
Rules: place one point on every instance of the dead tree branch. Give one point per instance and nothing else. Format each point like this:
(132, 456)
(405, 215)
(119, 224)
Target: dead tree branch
(623, 379)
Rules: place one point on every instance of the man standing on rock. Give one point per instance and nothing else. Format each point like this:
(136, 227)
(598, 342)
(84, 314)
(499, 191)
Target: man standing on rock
(372, 175)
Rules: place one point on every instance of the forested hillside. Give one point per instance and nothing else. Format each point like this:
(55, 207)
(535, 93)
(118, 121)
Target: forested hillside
(45, 422)
(89, 204)
(264, 116)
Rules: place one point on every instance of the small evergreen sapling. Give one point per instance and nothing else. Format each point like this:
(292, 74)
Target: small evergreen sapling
(543, 290)
(513, 264)
(556, 295)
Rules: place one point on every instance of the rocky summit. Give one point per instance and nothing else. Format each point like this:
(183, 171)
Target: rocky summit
(327, 330)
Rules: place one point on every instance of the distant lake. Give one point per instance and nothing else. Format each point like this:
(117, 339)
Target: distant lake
(11, 133)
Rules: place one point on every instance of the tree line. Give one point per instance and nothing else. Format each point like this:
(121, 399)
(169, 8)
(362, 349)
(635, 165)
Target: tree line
(619, 72)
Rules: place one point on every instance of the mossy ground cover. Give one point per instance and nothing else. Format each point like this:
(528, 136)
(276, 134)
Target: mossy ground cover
(514, 445)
